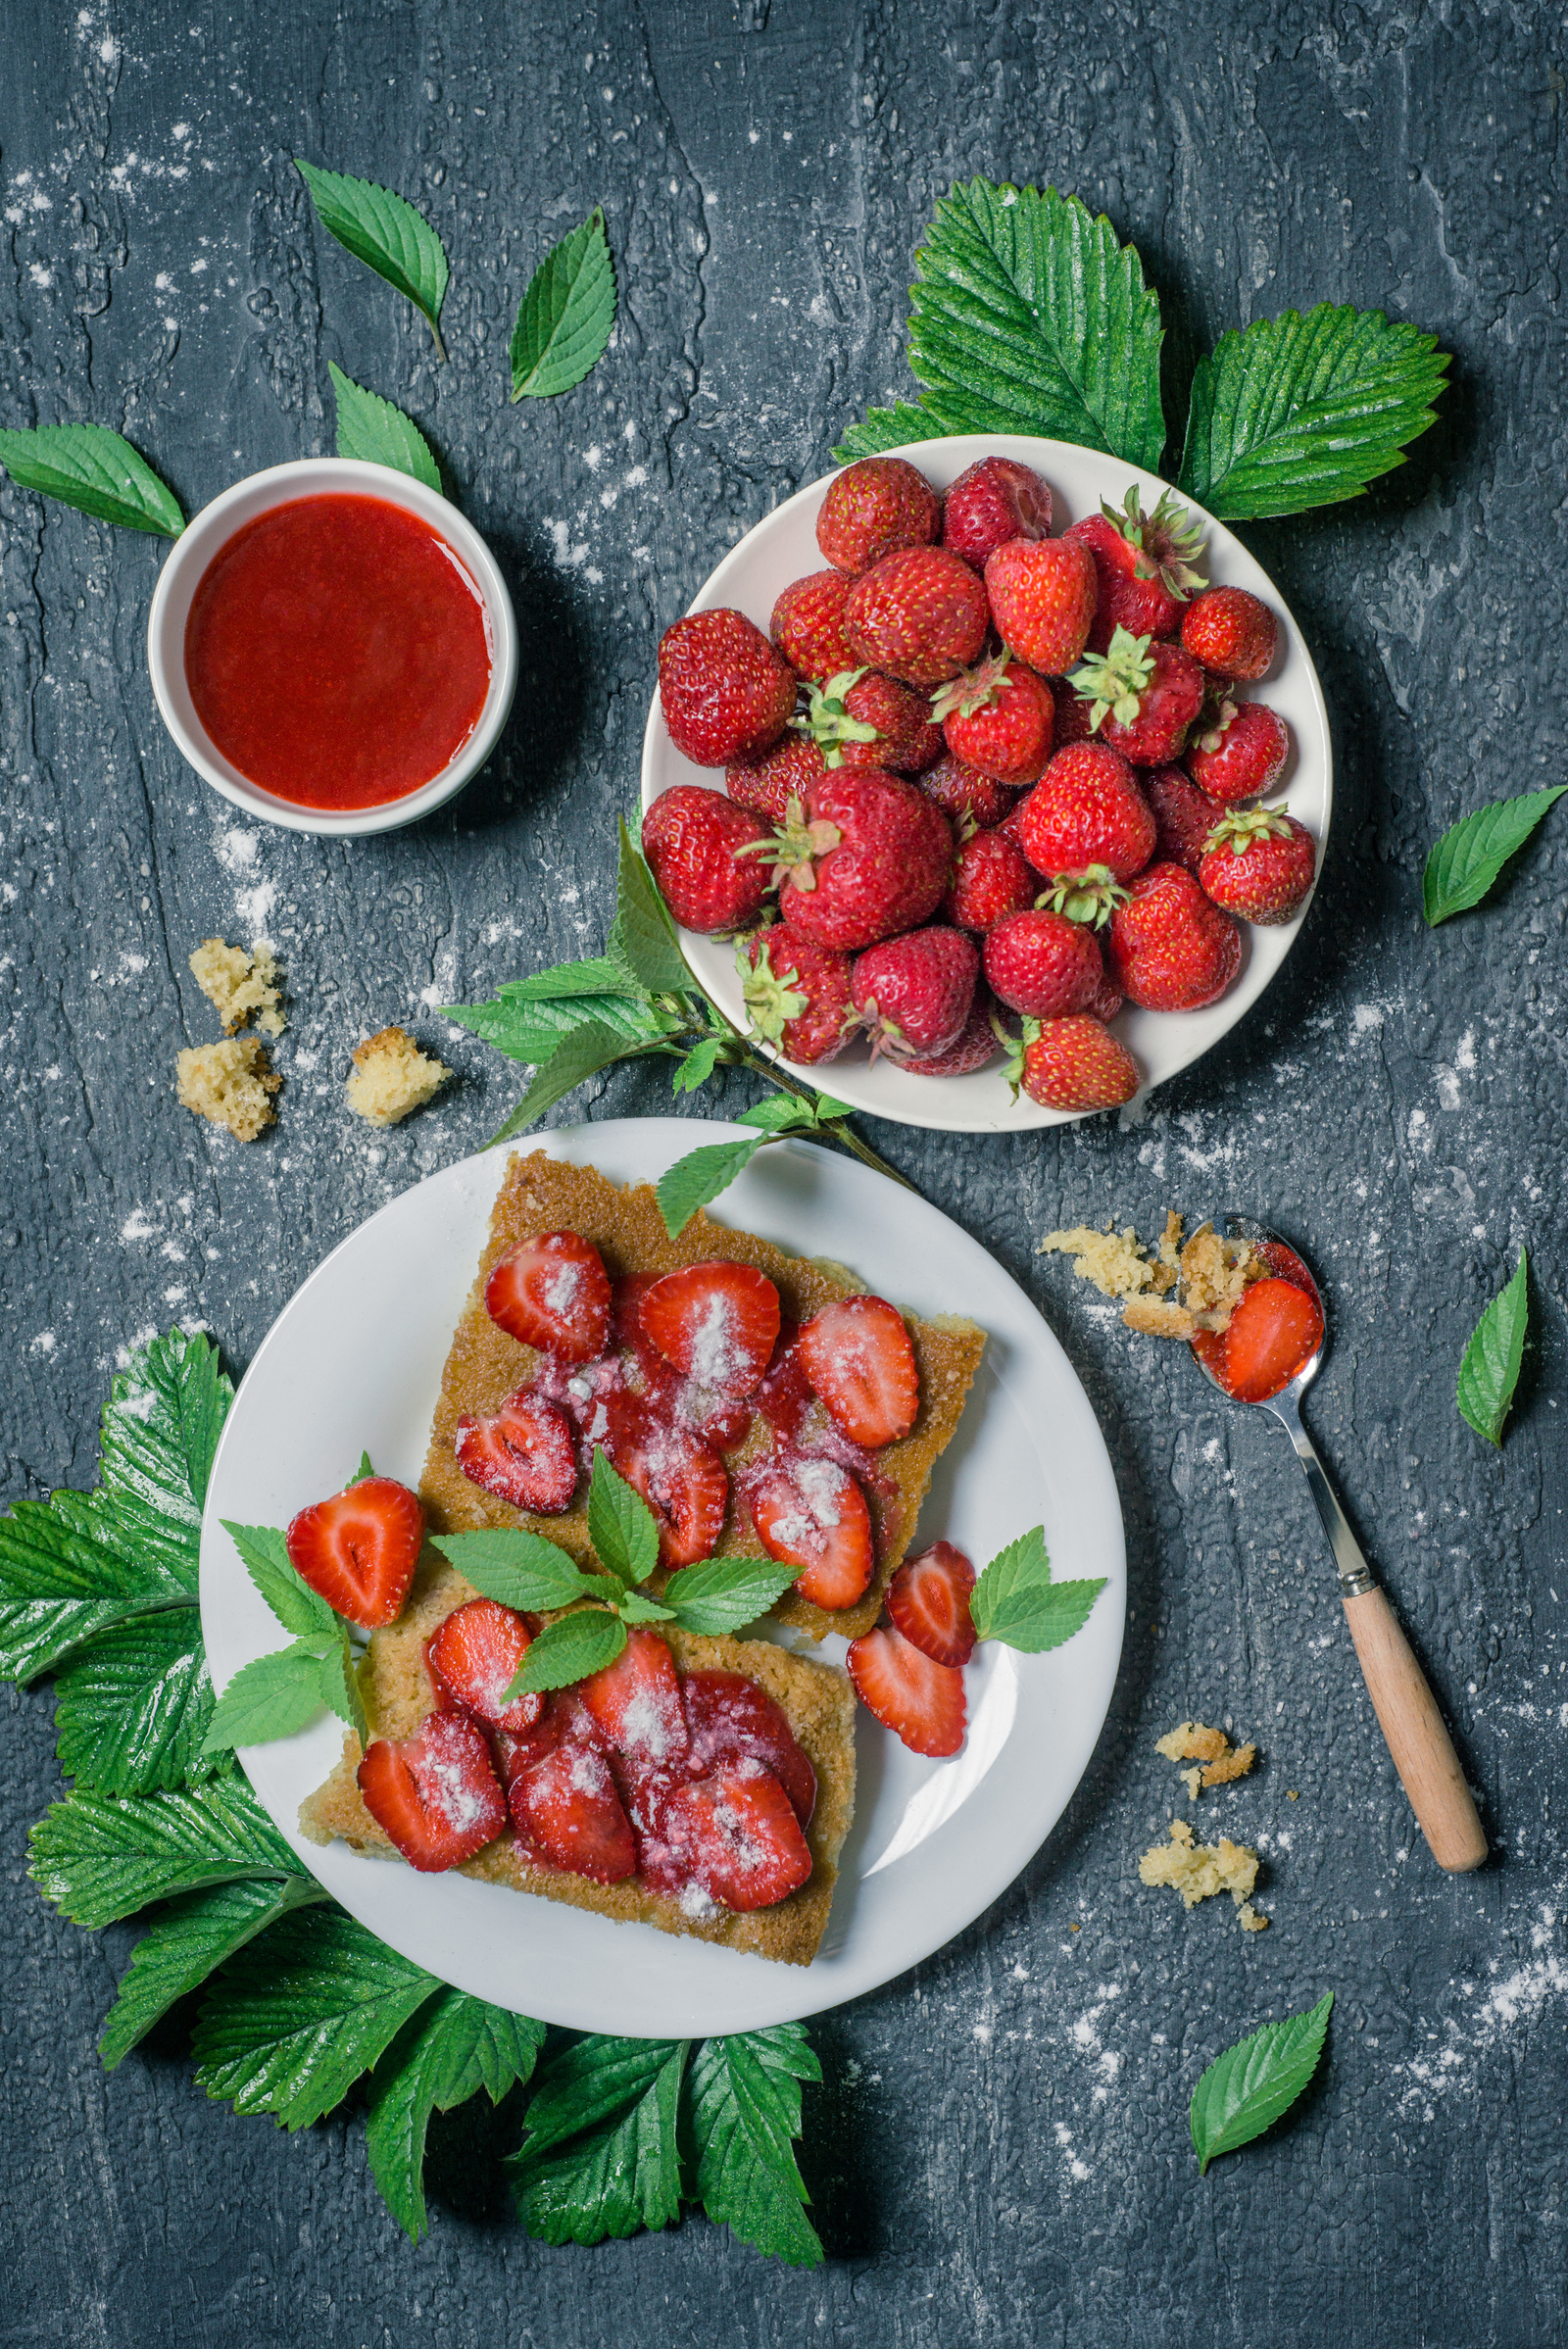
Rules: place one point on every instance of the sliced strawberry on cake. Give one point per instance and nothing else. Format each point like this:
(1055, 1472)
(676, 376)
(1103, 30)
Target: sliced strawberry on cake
(359, 1549)
(435, 1793)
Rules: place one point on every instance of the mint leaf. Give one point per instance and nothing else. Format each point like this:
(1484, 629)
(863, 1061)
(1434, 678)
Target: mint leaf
(778, 1113)
(339, 1682)
(744, 2098)
(529, 1027)
(1017, 1602)
(90, 467)
(388, 234)
(601, 2156)
(272, 1696)
(598, 974)
(568, 1650)
(1299, 412)
(682, 1188)
(365, 1468)
(518, 1569)
(720, 1594)
(372, 429)
(644, 927)
(1489, 1370)
(580, 1054)
(883, 428)
(622, 1526)
(99, 1857)
(442, 2056)
(190, 1939)
(697, 1065)
(291, 2025)
(132, 1710)
(565, 317)
(264, 1553)
(632, 1607)
(1246, 2089)
(1462, 866)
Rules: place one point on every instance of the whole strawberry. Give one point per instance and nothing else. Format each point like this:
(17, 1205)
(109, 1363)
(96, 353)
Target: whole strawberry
(1143, 697)
(966, 795)
(991, 877)
(1087, 809)
(992, 501)
(1184, 815)
(807, 625)
(875, 509)
(692, 839)
(1143, 563)
(1073, 1063)
(1000, 718)
(797, 993)
(1043, 593)
(1109, 1000)
(1260, 864)
(1230, 632)
(1170, 946)
(921, 615)
(977, 1045)
(726, 692)
(913, 993)
(766, 785)
(859, 718)
(1072, 716)
(1241, 755)
(870, 857)
(1042, 963)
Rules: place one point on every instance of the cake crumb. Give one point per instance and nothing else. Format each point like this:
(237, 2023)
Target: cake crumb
(1200, 1871)
(1112, 1260)
(1195, 1742)
(392, 1077)
(1207, 1274)
(1191, 1780)
(231, 1083)
(239, 984)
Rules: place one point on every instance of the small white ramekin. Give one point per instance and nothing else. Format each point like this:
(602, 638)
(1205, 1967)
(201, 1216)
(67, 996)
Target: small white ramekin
(181, 575)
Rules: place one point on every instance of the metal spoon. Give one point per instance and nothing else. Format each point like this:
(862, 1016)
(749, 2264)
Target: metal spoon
(1406, 1710)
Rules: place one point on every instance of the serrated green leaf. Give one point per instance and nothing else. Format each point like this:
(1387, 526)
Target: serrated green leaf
(99, 1857)
(132, 1710)
(371, 429)
(388, 234)
(272, 1697)
(700, 1177)
(828, 1106)
(698, 1066)
(744, 2099)
(568, 1650)
(598, 974)
(580, 1054)
(622, 1527)
(339, 1681)
(1299, 412)
(883, 428)
(529, 1029)
(444, 2055)
(1462, 866)
(161, 1426)
(721, 1595)
(778, 1113)
(644, 929)
(1489, 1370)
(187, 1943)
(516, 1567)
(264, 1553)
(1246, 2089)
(94, 470)
(565, 318)
(1017, 1603)
(291, 2025)
(632, 1607)
(601, 2156)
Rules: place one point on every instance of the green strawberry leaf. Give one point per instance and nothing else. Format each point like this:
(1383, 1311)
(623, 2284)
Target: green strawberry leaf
(779, 1113)
(689, 1185)
(187, 1943)
(565, 316)
(529, 1027)
(94, 470)
(519, 1569)
(1489, 1370)
(601, 2156)
(132, 1710)
(372, 429)
(1299, 411)
(568, 1650)
(884, 429)
(721, 1595)
(1017, 1603)
(699, 1064)
(264, 1553)
(1246, 2089)
(622, 1526)
(1464, 865)
(580, 1054)
(643, 928)
(272, 1696)
(388, 234)
(99, 1857)
(744, 2102)
(441, 2057)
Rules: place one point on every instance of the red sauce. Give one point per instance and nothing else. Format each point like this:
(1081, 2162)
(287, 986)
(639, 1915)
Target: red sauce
(337, 652)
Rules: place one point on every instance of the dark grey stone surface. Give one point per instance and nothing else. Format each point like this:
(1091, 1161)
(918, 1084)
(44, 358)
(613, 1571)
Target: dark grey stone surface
(1000, 2153)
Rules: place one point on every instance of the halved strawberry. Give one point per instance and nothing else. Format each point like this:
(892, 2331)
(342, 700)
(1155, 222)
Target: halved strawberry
(435, 1793)
(814, 1515)
(928, 1599)
(567, 1809)
(553, 1292)
(360, 1548)
(474, 1657)
(682, 1480)
(718, 1323)
(1273, 1330)
(636, 1700)
(523, 1452)
(920, 1700)
(732, 1720)
(738, 1835)
(858, 1356)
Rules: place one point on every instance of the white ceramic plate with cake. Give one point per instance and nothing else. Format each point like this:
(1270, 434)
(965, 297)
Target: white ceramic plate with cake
(783, 547)
(354, 1363)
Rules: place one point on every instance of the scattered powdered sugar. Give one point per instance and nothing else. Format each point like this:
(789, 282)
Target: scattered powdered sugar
(653, 1724)
(714, 1360)
(696, 1905)
(821, 1483)
(1491, 2015)
(561, 1286)
(446, 1789)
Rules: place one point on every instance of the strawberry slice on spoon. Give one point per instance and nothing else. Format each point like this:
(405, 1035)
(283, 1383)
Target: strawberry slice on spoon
(358, 1551)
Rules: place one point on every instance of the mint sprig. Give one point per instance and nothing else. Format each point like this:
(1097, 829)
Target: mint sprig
(94, 470)
(1490, 1371)
(386, 233)
(1017, 1603)
(371, 428)
(1247, 2089)
(565, 318)
(1465, 865)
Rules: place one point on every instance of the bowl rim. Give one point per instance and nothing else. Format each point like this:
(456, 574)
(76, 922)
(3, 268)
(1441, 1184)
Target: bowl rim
(202, 538)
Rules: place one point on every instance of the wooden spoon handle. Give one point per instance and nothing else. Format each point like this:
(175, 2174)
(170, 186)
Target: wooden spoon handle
(1422, 1749)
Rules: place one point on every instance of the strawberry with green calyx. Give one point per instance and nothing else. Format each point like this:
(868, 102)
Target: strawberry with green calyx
(1043, 964)
(766, 786)
(1230, 632)
(991, 877)
(1073, 1063)
(1043, 594)
(694, 841)
(797, 993)
(1259, 864)
(868, 856)
(1143, 693)
(1145, 565)
(859, 718)
(1089, 897)
(1086, 809)
(1241, 755)
(1170, 947)
(995, 500)
(1000, 718)
(808, 624)
(879, 506)
(726, 692)
(921, 615)
(913, 993)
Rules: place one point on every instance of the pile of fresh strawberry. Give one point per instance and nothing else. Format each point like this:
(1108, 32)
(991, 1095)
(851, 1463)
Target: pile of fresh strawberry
(980, 771)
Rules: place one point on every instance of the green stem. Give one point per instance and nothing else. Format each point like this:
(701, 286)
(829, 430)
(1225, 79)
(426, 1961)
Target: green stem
(836, 1129)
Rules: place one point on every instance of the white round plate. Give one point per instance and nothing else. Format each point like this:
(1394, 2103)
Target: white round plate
(354, 1363)
(783, 547)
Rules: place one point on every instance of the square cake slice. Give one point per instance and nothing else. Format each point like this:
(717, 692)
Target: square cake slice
(485, 1365)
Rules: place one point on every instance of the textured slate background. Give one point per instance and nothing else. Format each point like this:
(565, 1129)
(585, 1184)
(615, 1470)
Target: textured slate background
(999, 2154)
